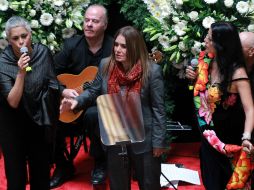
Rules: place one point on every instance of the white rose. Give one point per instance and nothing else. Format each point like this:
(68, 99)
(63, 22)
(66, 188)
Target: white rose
(193, 15)
(3, 43)
(164, 41)
(182, 46)
(197, 44)
(179, 2)
(58, 2)
(46, 19)
(34, 24)
(175, 19)
(207, 22)
(229, 3)
(43, 41)
(210, 1)
(51, 47)
(58, 20)
(51, 37)
(180, 27)
(251, 28)
(4, 5)
(173, 39)
(251, 7)
(32, 12)
(242, 7)
(3, 35)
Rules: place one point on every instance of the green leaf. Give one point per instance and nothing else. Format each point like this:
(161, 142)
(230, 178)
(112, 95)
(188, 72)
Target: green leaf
(148, 29)
(178, 54)
(172, 57)
(170, 48)
(153, 32)
(155, 37)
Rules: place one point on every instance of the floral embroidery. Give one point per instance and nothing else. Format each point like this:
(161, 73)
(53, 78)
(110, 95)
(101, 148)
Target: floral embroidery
(213, 140)
(242, 171)
(205, 99)
(206, 109)
(214, 94)
(203, 65)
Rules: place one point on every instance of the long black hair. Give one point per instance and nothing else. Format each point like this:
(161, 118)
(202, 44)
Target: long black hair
(229, 53)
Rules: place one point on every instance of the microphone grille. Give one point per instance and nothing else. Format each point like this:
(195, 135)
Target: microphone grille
(194, 62)
(23, 49)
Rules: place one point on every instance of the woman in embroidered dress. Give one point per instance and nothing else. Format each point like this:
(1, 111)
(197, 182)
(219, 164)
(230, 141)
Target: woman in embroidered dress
(223, 100)
(129, 70)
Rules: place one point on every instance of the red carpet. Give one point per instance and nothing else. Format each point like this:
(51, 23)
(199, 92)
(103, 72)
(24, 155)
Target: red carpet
(185, 153)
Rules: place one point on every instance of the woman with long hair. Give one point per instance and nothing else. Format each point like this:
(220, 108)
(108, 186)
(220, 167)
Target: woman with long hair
(223, 101)
(129, 70)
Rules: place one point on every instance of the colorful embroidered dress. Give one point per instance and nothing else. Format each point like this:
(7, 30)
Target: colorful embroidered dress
(221, 121)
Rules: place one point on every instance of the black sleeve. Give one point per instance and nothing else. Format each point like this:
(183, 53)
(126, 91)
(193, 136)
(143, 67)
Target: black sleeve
(62, 58)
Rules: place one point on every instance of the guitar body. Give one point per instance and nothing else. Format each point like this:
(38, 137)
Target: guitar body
(76, 82)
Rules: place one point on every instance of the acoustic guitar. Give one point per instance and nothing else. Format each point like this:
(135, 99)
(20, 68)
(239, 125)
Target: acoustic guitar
(79, 83)
(83, 80)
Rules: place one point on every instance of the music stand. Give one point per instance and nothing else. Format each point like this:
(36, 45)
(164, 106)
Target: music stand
(120, 120)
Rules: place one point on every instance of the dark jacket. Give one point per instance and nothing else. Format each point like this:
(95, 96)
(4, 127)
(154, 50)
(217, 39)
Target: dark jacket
(152, 102)
(74, 56)
(41, 97)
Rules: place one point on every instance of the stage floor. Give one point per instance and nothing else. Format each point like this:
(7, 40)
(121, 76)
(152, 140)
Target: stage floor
(184, 153)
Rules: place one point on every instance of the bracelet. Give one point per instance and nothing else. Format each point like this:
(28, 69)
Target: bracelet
(245, 140)
(246, 136)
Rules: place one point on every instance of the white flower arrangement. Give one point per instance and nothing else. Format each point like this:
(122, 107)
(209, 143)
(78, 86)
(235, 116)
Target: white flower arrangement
(177, 27)
(51, 20)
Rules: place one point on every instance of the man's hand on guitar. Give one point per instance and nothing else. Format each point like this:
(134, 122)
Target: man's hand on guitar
(69, 93)
(68, 104)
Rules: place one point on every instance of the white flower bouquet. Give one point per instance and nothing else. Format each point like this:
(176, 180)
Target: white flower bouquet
(51, 20)
(177, 27)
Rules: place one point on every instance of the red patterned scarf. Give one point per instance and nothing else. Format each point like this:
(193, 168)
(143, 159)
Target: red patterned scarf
(118, 78)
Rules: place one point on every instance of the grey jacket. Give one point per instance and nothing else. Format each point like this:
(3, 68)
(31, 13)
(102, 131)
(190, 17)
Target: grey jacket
(152, 102)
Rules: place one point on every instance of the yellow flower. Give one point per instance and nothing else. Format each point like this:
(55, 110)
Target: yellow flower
(214, 94)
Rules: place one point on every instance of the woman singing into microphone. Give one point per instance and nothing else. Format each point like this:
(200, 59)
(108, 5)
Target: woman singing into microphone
(26, 119)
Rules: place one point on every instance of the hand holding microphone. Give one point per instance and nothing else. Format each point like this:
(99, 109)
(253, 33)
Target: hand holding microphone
(24, 50)
(191, 72)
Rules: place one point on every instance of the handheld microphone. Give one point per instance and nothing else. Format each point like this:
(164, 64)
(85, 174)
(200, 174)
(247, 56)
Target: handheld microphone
(22, 50)
(194, 65)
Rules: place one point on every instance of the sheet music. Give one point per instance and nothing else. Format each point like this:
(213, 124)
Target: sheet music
(175, 174)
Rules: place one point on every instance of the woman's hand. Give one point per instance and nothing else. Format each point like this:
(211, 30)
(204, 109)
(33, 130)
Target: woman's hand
(190, 73)
(157, 152)
(68, 104)
(23, 61)
(247, 146)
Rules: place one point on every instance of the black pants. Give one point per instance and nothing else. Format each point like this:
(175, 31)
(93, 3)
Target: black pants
(215, 167)
(147, 168)
(90, 123)
(26, 145)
